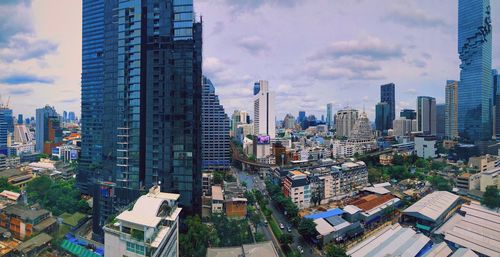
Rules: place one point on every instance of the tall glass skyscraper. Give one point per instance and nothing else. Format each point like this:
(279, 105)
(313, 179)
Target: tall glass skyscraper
(6, 127)
(149, 74)
(215, 129)
(43, 115)
(475, 89)
(388, 95)
(426, 115)
(329, 115)
(382, 117)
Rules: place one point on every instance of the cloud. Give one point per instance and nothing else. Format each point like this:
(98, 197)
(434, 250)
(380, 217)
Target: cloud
(18, 79)
(249, 5)
(15, 17)
(418, 63)
(24, 47)
(412, 17)
(369, 49)
(20, 91)
(221, 73)
(218, 28)
(70, 100)
(254, 45)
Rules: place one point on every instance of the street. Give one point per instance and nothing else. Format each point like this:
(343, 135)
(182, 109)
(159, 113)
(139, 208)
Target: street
(254, 182)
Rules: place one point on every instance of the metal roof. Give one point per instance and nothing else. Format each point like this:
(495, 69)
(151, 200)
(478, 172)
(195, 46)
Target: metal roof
(323, 227)
(432, 206)
(438, 250)
(478, 230)
(351, 209)
(464, 252)
(326, 214)
(390, 241)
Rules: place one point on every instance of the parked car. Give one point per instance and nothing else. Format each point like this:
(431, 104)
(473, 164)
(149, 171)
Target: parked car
(282, 226)
(289, 229)
(301, 250)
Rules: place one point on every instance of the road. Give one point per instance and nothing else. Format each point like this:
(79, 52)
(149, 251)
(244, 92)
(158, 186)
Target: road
(254, 182)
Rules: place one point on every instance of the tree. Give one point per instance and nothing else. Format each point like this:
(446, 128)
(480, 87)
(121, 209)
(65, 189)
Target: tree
(491, 197)
(286, 239)
(5, 185)
(398, 159)
(333, 250)
(199, 236)
(250, 197)
(307, 228)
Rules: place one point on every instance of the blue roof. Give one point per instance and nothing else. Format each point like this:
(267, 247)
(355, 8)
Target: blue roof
(326, 214)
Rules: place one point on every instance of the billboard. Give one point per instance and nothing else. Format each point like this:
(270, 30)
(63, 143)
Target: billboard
(55, 151)
(73, 154)
(263, 140)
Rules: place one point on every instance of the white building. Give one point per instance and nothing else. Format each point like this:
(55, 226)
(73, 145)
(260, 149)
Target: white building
(264, 118)
(150, 228)
(425, 147)
(344, 122)
(403, 127)
(217, 200)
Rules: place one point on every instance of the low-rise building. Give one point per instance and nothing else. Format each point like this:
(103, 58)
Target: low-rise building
(468, 181)
(483, 163)
(263, 249)
(349, 178)
(34, 246)
(386, 159)
(474, 227)
(296, 187)
(149, 228)
(490, 177)
(23, 221)
(217, 200)
(235, 207)
(431, 211)
(372, 208)
(425, 146)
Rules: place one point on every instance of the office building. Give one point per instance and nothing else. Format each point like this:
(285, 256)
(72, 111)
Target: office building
(6, 127)
(301, 117)
(151, 102)
(475, 90)
(215, 150)
(329, 116)
(43, 115)
(344, 122)
(20, 119)
(496, 116)
(264, 118)
(402, 127)
(65, 116)
(71, 117)
(408, 113)
(388, 95)
(451, 111)
(426, 115)
(149, 228)
(383, 120)
(289, 122)
(440, 120)
(237, 118)
(53, 135)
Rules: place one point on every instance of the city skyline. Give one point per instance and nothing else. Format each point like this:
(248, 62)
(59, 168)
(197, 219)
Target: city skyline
(53, 56)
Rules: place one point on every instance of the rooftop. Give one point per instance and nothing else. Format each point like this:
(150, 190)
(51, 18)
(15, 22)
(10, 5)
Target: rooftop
(369, 202)
(24, 212)
(478, 230)
(433, 205)
(464, 252)
(438, 250)
(217, 193)
(390, 241)
(263, 249)
(34, 242)
(325, 214)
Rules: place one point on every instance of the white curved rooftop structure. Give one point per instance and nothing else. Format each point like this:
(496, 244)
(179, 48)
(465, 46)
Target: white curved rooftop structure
(432, 206)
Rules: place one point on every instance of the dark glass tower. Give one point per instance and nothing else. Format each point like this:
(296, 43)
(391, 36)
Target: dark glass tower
(6, 127)
(90, 163)
(151, 107)
(408, 113)
(382, 117)
(388, 95)
(475, 88)
(215, 129)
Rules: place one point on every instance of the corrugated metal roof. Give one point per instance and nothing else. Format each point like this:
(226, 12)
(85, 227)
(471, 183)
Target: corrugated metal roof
(326, 214)
(323, 227)
(464, 252)
(438, 250)
(351, 209)
(433, 205)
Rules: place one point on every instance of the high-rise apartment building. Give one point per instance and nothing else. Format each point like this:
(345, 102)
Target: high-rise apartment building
(383, 120)
(147, 59)
(408, 113)
(475, 90)
(440, 120)
(344, 122)
(43, 115)
(329, 116)
(426, 115)
(215, 131)
(263, 102)
(451, 111)
(289, 122)
(388, 95)
(237, 118)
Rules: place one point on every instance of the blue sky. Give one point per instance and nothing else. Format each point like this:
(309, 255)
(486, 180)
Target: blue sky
(311, 51)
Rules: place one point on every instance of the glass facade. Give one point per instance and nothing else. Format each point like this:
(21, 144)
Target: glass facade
(6, 127)
(388, 95)
(215, 130)
(475, 89)
(382, 116)
(426, 115)
(451, 96)
(150, 112)
(42, 126)
(91, 93)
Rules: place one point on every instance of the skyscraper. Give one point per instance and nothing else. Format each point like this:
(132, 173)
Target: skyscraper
(408, 113)
(426, 115)
(263, 102)
(475, 90)
(450, 120)
(301, 117)
(151, 101)
(20, 119)
(43, 115)
(215, 131)
(440, 120)
(329, 115)
(388, 95)
(65, 116)
(71, 117)
(496, 88)
(6, 127)
(289, 122)
(382, 117)
(344, 122)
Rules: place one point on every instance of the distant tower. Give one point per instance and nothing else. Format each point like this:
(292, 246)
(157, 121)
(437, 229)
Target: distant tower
(264, 118)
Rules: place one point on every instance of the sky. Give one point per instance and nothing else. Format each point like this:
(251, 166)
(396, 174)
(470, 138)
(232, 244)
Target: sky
(312, 52)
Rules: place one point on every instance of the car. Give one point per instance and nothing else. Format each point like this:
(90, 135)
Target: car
(282, 226)
(301, 250)
(265, 221)
(289, 229)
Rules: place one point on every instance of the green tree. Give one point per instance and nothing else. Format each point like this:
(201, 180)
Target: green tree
(198, 237)
(491, 197)
(250, 197)
(333, 250)
(5, 185)
(307, 228)
(398, 159)
(286, 239)
(231, 232)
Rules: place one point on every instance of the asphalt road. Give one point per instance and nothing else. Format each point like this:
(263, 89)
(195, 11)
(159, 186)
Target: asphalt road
(254, 182)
